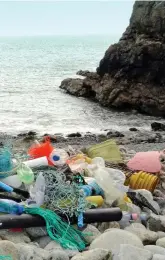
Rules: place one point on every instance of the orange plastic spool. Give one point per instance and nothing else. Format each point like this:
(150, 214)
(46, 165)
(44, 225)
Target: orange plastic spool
(41, 150)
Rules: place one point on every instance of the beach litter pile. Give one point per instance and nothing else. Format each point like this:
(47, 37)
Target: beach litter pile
(61, 204)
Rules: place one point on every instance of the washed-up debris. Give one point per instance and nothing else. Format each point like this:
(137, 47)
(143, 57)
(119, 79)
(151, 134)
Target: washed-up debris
(57, 188)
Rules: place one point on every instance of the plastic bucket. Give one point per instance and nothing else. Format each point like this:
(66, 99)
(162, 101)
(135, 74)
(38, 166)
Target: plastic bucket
(143, 180)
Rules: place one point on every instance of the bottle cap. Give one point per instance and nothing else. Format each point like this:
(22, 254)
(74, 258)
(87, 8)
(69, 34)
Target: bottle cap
(56, 158)
(134, 216)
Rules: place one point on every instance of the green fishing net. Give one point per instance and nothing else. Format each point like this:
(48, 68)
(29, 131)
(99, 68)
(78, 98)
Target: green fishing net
(62, 195)
(59, 230)
(5, 257)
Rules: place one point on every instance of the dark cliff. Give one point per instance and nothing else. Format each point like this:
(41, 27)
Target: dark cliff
(132, 71)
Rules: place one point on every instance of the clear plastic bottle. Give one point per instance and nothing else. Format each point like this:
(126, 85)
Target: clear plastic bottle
(37, 192)
(129, 218)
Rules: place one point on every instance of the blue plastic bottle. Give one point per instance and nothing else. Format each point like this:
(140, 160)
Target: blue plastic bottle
(10, 207)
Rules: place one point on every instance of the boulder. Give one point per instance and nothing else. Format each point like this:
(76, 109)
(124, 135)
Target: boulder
(113, 238)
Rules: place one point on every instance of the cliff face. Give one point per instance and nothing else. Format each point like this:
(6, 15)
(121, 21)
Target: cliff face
(132, 71)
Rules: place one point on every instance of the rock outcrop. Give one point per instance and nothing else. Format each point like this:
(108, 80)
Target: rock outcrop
(131, 74)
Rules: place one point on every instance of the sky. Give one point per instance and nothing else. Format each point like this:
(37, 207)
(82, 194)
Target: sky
(32, 18)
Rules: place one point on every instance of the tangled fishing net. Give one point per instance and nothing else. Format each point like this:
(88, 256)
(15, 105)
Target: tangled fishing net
(63, 196)
(59, 230)
(5, 257)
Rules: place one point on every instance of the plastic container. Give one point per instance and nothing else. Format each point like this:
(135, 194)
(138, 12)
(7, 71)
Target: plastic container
(37, 192)
(38, 162)
(129, 218)
(143, 180)
(10, 207)
(58, 157)
(25, 174)
(13, 181)
(41, 149)
(98, 200)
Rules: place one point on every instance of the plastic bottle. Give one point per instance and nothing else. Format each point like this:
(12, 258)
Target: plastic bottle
(10, 207)
(58, 157)
(37, 192)
(25, 174)
(129, 218)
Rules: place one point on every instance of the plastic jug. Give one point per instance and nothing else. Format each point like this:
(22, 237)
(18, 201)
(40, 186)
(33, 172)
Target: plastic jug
(25, 174)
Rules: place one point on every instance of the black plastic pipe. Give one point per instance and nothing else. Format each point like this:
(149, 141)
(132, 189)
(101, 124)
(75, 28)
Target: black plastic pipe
(9, 221)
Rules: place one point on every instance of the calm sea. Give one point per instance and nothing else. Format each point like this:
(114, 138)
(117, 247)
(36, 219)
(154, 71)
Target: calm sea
(31, 70)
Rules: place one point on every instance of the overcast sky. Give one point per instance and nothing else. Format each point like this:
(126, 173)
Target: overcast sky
(64, 17)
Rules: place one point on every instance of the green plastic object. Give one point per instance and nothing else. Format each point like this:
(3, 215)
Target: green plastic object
(108, 150)
(60, 231)
(25, 174)
(5, 257)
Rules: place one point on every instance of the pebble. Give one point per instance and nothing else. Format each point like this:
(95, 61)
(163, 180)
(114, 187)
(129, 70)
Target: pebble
(161, 234)
(112, 239)
(93, 233)
(58, 255)
(108, 225)
(146, 236)
(156, 223)
(156, 249)
(8, 248)
(95, 254)
(161, 242)
(128, 252)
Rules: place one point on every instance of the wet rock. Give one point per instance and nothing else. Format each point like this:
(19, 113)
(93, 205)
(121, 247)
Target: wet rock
(111, 134)
(83, 73)
(133, 129)
(93, 233)
(146, 236)
(128, 252)
(8, 248)
(156, 126)
(155, 249)
(36, 232)
(161, 242)
(74, 135)
(112, 239)
(95, 254)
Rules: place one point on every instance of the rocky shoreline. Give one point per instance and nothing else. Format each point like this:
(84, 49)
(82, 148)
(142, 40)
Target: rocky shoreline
(131, 74)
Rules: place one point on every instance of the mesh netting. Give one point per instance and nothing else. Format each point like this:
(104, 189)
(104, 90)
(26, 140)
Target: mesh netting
(5, 257)
(62, 195)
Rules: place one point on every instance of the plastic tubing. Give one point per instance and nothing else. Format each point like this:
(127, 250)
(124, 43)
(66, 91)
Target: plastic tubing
(90, 216)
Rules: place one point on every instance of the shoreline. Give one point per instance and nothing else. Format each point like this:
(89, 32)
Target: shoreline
(132, 140)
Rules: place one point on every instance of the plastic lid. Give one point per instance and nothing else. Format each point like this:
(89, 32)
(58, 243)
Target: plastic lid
(56, 158)
(134, 216)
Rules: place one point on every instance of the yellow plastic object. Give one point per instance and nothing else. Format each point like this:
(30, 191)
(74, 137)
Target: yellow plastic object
(98, 200)
(143, 180)
(108, 150)
(126, 199)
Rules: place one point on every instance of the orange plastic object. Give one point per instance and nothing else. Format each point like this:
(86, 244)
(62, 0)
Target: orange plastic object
(42, 149)
(143, 180)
